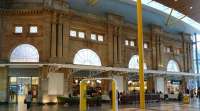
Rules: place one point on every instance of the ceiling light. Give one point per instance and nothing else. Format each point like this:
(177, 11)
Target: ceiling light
(129, 82)
(99, 81)
(191, 7)
(88, 82)
(176, 0)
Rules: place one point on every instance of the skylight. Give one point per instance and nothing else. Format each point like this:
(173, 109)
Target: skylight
(167, 10)
(177, 14)
(158, 6)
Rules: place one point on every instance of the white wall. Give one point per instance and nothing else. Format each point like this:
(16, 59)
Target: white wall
(55, 84)
(120, 83)
(160, 84)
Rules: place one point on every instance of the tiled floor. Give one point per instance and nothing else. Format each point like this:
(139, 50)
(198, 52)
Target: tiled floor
(165, 106)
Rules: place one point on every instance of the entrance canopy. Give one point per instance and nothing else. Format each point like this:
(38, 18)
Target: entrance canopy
(104, 69)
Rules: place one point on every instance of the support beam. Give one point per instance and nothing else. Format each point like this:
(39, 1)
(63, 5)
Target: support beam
(169, 17)
(196, 51)
(140, 51)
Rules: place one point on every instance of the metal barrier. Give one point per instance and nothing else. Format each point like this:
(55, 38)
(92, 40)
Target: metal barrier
(83, 94)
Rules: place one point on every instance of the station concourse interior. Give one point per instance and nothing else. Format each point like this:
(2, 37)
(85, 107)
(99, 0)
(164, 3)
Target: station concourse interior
(49, 46)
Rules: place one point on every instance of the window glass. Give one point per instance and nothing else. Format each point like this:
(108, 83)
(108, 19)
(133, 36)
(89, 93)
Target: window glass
(33, 29)
(18, 29)
(132, 43)
(168, 49)
(81, 34)
(93, 37)
(72, 33)
(100, 38)
(178, 51)
(87, 57)
(145, 45)
(24, 53)
(134, 62)
(173, 66)
(126, 42)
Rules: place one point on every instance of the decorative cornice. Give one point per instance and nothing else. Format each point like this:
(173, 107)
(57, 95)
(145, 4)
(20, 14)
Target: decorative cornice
(10, 12)
(20, 11)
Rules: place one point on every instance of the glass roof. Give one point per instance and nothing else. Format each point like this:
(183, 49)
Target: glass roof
(24, 53)
(167, 10)
(87, 57)
(134, 62)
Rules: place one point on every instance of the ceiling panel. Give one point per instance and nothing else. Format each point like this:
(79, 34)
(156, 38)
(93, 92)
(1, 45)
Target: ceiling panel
(187, 7)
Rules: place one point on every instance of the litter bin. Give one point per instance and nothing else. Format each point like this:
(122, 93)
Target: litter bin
(186, 99)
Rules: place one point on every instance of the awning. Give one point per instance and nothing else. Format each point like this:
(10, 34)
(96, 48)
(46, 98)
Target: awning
(100, 68)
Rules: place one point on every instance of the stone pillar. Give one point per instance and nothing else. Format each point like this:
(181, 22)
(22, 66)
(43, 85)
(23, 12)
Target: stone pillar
(191, 56)
(66, 30)
(54, 36)
(60, 37)
(157, 48)
(110, 44)
(154, 62)
(68, 81)
(115, 45)
(187, 55)
(150, 84)
(3, 84)
(115, 39)
(125, 83)
(165, 85)
(105, 86)
(183, 85)
(43, 83)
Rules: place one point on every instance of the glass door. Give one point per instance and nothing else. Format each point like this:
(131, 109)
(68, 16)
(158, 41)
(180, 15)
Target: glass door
(19, 87)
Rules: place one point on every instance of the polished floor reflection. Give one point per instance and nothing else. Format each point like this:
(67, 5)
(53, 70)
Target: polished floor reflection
(164, 106)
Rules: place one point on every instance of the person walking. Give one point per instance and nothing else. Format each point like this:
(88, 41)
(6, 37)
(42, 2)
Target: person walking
(28, 100)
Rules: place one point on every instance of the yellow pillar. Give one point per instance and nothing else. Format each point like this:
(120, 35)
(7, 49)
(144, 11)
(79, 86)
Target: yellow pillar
(141, 56)
(83, 98)
(83, 102)
(114, 96)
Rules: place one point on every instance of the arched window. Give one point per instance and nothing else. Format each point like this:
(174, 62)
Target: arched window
(134, 62)
(24, 53)
(173, 66)
(87, 57)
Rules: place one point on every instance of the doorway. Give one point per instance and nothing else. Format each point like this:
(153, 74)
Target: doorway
(19, 87)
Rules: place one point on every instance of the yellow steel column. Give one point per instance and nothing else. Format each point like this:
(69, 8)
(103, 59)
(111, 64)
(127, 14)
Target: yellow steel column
(140, 51)
(114, 96)
(83, 102)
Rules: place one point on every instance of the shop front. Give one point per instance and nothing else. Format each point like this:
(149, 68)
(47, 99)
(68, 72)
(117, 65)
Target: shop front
(173, 86)
(134, 86)
(20, 82)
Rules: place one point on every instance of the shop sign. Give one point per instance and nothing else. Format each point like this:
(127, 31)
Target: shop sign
(176, 82)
